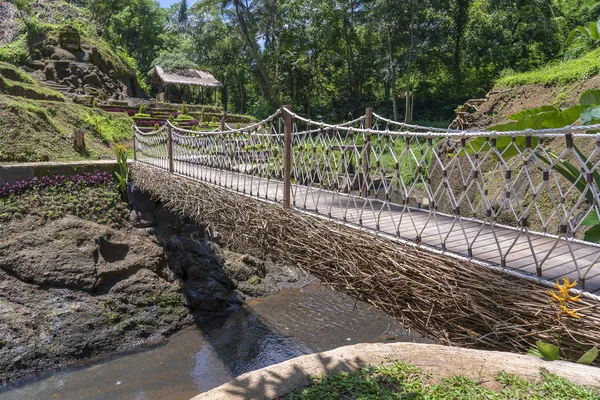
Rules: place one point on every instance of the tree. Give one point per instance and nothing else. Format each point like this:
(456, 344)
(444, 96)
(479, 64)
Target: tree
(183, 13)
(136, 28)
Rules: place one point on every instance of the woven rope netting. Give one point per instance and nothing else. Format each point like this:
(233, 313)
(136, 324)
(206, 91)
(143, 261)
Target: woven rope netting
(453, 302)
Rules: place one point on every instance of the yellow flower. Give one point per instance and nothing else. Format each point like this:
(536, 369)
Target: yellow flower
(563, 296)
(570, 313)
(556, 297)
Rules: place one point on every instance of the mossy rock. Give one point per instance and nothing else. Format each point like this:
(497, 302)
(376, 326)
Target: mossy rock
(29, 91)
(13, 73)
(254, 280)
(69, 38)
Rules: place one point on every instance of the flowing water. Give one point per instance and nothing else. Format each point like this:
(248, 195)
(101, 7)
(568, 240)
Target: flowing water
(264, 332)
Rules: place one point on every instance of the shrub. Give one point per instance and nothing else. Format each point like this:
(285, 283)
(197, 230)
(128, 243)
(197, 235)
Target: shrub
(108, 128)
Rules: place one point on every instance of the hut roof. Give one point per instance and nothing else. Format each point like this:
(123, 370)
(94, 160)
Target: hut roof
(191, 77)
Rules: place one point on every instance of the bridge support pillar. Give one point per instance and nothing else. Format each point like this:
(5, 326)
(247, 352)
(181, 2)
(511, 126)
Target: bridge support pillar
(170, 148)
(134, 145)
(287, 156)
(367, 152)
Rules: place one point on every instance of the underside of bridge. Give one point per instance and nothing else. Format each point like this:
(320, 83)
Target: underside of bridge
(451, 301)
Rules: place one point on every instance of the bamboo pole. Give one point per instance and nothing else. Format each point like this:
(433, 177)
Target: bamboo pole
(170, 148)
(367, 152)
(287, 157)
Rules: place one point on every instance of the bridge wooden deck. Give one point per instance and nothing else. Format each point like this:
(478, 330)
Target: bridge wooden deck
(522, 250)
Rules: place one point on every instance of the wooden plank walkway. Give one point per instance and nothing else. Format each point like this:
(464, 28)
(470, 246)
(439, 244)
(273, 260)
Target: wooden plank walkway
(522, 251)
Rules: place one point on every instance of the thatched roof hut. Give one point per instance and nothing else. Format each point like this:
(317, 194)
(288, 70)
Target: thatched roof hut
(185, 77)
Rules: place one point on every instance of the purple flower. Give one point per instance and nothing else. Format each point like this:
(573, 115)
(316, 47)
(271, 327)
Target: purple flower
(95, 178)
(149, 122)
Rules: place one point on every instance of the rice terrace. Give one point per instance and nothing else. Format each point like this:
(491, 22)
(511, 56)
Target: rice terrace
(282, 199)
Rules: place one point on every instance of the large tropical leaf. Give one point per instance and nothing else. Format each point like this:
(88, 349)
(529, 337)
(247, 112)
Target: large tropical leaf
(540, 118)
(591, 115)
(592, 235)
(591, 219)
(531, 111)
(590, 98)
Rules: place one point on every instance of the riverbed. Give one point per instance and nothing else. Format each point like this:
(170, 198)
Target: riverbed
(265, 331)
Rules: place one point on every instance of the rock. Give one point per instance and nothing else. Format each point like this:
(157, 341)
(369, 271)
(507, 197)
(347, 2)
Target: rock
(93, 79)
(91, 255)
(140, 220)
(207, 295)
(139, 200)
(35, 55)
(84, 99)
(69, 38)
(241, 268)
(47, 50)
(254, 280)
(71, 289)
(35, 64)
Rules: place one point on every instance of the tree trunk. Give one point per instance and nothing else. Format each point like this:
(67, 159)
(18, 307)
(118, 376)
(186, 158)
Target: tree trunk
(264, 81)
(393, 77)
(461, 17)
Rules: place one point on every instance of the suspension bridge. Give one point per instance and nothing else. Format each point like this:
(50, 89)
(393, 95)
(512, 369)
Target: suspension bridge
(518, 202)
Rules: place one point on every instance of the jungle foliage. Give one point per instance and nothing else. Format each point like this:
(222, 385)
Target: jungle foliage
(331, 59)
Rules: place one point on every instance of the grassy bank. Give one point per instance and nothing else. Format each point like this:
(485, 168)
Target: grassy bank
(35, 130)
(404, 381)
(556, 73)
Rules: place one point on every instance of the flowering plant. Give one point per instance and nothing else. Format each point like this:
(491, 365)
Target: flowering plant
(95, 178)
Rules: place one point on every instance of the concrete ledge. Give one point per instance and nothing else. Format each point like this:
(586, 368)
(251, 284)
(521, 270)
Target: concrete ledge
(10, 173)
(435, 360)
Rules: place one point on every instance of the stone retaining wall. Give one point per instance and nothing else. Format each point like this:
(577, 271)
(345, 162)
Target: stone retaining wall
(10, 173)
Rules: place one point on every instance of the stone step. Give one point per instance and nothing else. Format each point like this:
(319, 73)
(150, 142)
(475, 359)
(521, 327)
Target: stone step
(55, 86)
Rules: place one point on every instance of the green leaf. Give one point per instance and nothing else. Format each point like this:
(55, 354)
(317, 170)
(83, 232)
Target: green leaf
(591, 219)
(510, 126)
(532, 111)
(592, 235)
(534, 352)
(565, 117)
(589, 356)
(590, 98)
(547, 350)
(591, 115)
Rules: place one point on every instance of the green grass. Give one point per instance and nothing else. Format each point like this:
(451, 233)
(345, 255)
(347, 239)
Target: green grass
(11, 72)
(32, 130)
(100, 204)
(401, 380)
(14, 52)
(561, 72)
(29, 91)
(107, 127)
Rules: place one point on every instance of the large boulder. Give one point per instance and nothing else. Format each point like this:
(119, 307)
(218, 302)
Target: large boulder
(72, 289)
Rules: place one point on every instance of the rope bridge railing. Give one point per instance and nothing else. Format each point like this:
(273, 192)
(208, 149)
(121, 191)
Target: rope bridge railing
(521, 199)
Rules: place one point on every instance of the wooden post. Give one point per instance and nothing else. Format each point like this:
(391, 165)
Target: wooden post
(79, 140)
(170, 148)
(134, 146)
(287, 156)
(367, 152)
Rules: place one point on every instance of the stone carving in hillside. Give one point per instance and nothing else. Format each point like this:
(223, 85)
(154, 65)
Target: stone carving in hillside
(79, 71)
(69, 38)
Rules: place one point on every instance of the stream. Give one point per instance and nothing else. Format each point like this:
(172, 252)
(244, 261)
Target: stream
(263, 332)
